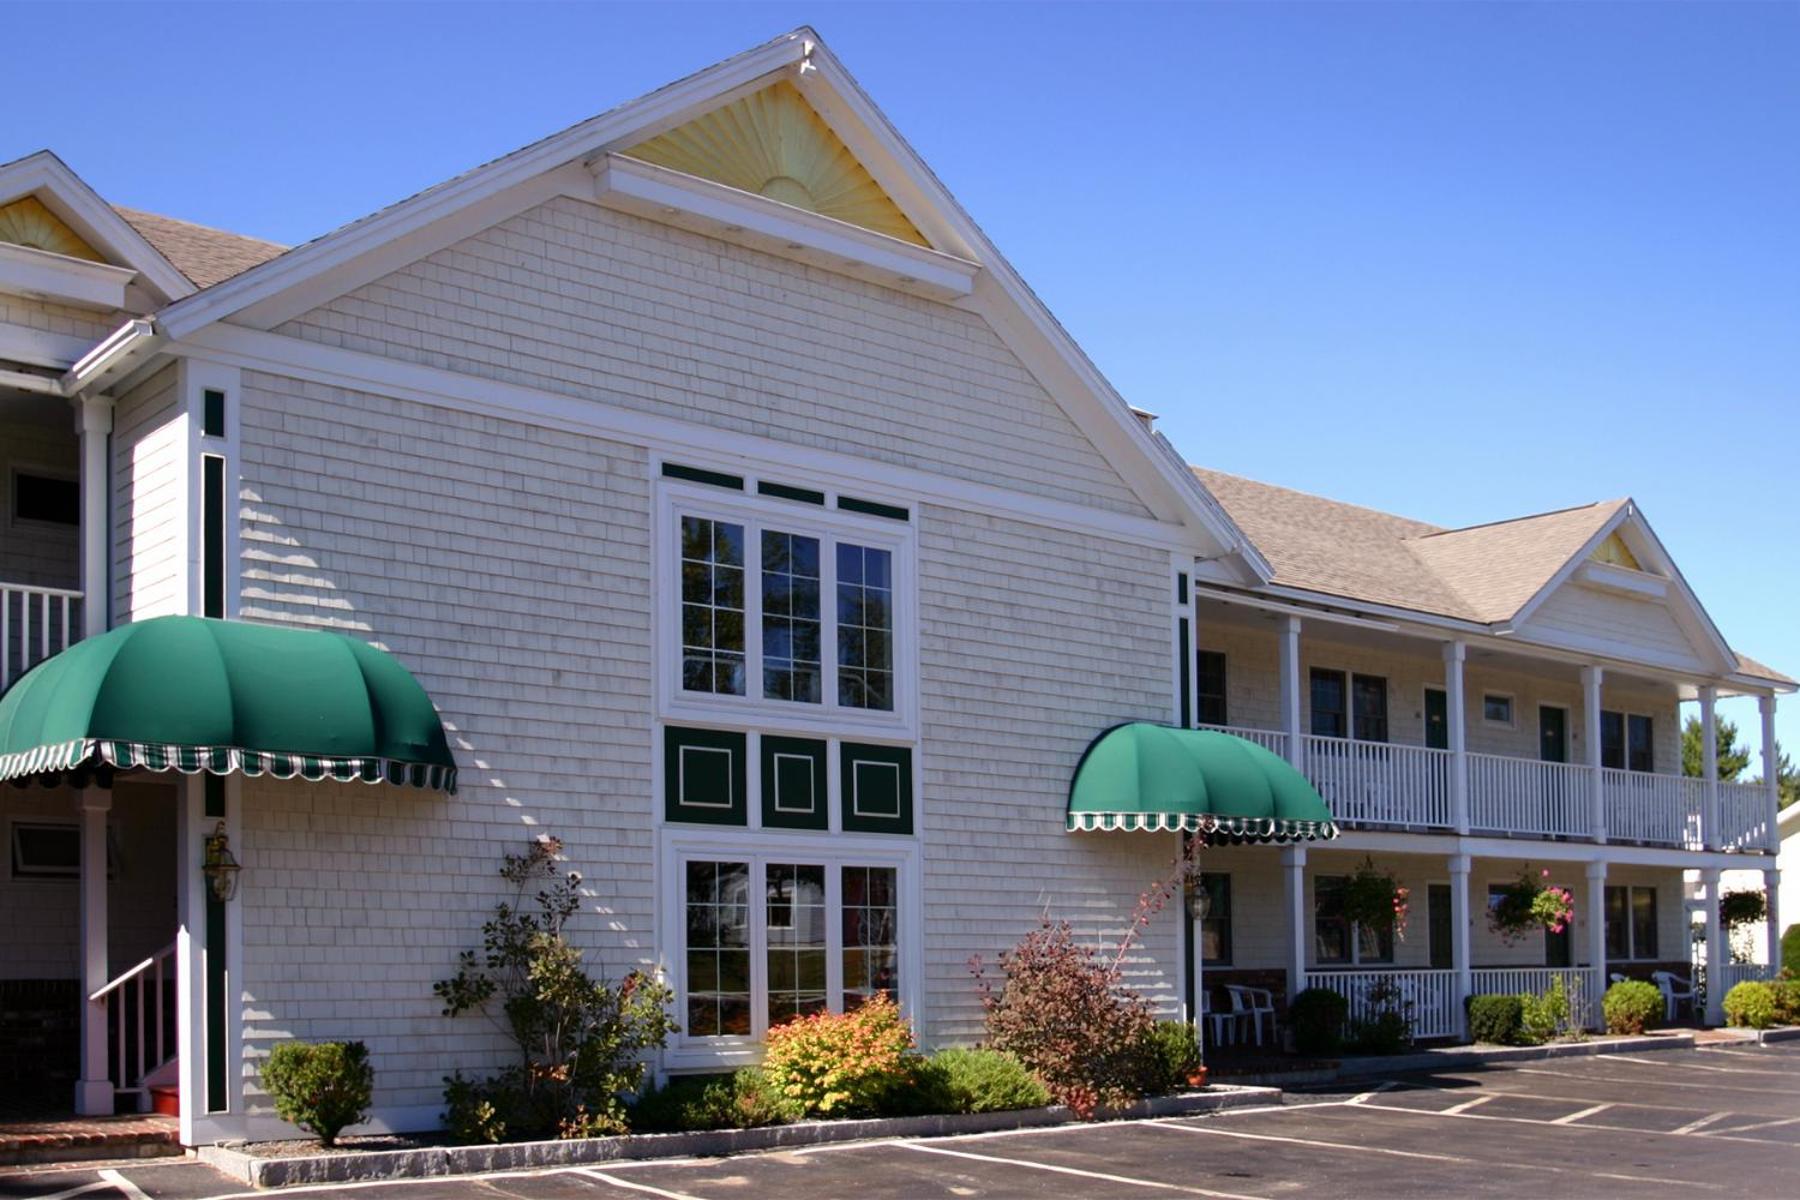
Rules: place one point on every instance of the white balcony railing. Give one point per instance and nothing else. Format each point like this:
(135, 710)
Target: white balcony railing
(35, 622)
(1658, 809)
(1428, 998)
(1379, 783)
(1522, 795)
(1269, 739)
(1582, 984)
(1744, 817)
(1736, 973)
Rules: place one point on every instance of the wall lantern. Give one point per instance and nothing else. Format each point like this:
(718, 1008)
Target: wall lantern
(219, 867)
(1199, 901)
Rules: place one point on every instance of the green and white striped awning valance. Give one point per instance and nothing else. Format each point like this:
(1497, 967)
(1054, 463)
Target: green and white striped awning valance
(1237, 829)
(191, 695)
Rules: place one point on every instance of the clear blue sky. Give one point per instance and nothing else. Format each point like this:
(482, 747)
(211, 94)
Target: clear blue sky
(1457, 261)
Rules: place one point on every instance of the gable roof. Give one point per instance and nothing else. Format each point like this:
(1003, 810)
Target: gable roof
(1490, 574)
(205, 255)
(102, 229)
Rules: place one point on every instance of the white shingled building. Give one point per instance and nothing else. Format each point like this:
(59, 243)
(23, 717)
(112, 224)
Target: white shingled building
(699, 486)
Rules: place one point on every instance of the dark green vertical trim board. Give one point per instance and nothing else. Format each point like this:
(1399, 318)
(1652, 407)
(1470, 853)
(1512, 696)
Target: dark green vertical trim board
(212, 413)
(212, 535)
(1185, 668)
(1181, 588)
(1189, 951)
(216, 1100)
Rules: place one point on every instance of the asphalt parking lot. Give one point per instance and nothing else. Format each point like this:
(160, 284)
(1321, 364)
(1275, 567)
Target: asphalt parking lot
(1717, 1122)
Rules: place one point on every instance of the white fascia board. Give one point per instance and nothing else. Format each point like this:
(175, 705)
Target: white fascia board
(1360, 841)
(664, 106)
(1638, 584)
(1265, 604)
(715, 210)
(68, 196)
(120, 351)
(41, 348)
(688, 442)
(78, 282)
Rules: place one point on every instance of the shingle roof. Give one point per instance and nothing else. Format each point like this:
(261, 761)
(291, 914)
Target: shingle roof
(206, 256)
(1481, 573)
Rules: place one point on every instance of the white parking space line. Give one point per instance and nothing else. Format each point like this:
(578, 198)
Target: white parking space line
(130, 1190)
(359, 1184)
(634, 1186)
(1154, 1184)
(80, 1190)
(1364, 1098)
(1394, 1152)
(1692, 1066)
(1702, 1123)
(1639, 1081)
(1737, 1129)
(1586, 1112)
(1466, 1105)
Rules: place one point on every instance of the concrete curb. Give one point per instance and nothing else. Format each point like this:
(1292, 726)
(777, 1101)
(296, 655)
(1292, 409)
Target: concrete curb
(516, 1156)
(1766, 1036)
(1431, 1060)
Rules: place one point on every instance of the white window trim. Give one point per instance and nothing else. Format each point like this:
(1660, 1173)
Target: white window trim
(1631, 947)
(676, 498)
(1356, 958)
(20, 872)
(59, 475)
(1512, 706)
(678, 847)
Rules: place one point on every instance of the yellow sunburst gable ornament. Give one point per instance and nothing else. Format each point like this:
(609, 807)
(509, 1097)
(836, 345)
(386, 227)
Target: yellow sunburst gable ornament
(772, 143)
(1614, 552)
(26, 222)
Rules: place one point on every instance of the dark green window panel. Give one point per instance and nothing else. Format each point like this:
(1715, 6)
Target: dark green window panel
(786, 491)
(703, 776)
(212, 535)
(877, 789)
(212, 417)
(702, 475)
(793, 784)
(873, 508)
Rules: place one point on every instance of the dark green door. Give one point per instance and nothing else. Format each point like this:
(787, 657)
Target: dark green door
(1438, 904)
(1553, 734)
(1437, 720)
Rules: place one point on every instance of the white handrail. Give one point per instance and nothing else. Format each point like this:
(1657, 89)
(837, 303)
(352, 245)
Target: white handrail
(1380, 783)
(145, 984)
(27, 639)
(1428, 998)
(1580, 983)
(1268, 739)
(166, 952)
(1525, 795)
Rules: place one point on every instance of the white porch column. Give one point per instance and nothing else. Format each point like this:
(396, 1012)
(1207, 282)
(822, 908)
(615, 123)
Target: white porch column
(1293, 879)
(1771, 764)
(1772, 901)
(1715, 949)
(1290, 687)
(1590, 699)
(94, 422)
(1596, 931)
(94, 1091)
(1709, 758)
(1461, 934)
(1454, 717)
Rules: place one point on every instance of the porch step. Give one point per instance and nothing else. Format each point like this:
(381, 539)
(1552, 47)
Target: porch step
(81, 1138)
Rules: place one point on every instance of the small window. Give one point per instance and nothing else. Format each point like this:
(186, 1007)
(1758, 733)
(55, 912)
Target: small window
(1640, 745)
(1497, 709)
(1612, 740)
(1209, 688)
(1215, 926)
(1328, 715)
(1631, 923)
(46, 851)
(46, 498)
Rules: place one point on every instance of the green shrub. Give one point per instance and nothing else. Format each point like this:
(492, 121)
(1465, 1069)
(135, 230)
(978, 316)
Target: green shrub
(742, 1100)
(1790, 949)
(1317, 1016)
(972, 1081)
(1544, 1016)
(1787, 1001)
(1496, 1019)
(1175, 1055)
(1388, 1027)
(320, 1086)
(1750, 1003)
(842, 1064)
(1632, 1007)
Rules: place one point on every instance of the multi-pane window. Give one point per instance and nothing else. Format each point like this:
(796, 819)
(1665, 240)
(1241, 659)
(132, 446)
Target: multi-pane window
(1631, 923)
(1349, 706)
(865, 619)
(1612, 740)
(1209, 688)
(812, 957)
(1368, 695)
(796, 939)
(871, 942)
(718, 949)
(1215, 926)
(1627, 741)
(1339, 941)
(712, 606)
(790, 621)
(1497, 709)
(1328, 708)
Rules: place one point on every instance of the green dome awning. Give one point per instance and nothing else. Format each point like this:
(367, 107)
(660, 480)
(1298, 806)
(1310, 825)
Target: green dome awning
(190, 694)
(1157, 777)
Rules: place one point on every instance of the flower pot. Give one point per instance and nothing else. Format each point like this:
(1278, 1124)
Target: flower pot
(1197, 1077)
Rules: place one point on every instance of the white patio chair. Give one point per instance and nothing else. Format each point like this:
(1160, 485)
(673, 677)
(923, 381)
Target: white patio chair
(1616, 977)
(1252, 1004)
(1221, 1025)
(1676, 991)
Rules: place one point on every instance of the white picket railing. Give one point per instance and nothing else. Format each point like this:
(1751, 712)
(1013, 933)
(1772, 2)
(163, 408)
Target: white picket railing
(1581, 983)
(1522, 795)
(1744, 817)
(1379, 783)
(35, 622)
(1660, 809)
(1429, 998)
(1736, 973)
(1269, 739)
(140, 1019)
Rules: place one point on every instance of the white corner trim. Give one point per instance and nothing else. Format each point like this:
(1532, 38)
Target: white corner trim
(57, 277)
(688, 442)
(715, 210)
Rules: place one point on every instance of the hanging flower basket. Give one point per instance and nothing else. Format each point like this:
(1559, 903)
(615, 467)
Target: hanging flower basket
(1374, 899)
(1528, 904)
(1742, 908)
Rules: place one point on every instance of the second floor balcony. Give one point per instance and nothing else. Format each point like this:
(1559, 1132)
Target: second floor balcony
(35, 622)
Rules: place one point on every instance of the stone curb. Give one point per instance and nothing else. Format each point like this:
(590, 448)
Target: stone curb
(1766, 1036)
(1428, 1060)
(469, 1160)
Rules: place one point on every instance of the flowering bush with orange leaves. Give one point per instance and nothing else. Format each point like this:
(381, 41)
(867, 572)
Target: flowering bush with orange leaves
(841, 1064)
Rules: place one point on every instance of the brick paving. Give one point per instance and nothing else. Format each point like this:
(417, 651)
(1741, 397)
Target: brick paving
(88, 1137)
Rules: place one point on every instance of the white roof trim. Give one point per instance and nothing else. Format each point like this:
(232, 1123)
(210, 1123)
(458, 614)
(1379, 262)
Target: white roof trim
(65, 193)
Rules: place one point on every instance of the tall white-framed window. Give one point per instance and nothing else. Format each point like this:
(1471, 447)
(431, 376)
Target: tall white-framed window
(765, 929)
(768, 608)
